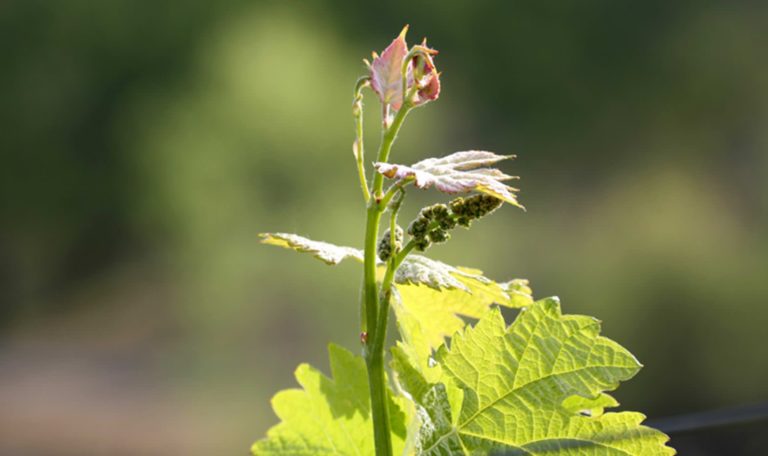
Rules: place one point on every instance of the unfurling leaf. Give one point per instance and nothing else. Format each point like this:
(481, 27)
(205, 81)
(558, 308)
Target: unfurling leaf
(460, 172)
(328, 416)
(329, 253)
(386, 71)
(422, 79)
(519, 384)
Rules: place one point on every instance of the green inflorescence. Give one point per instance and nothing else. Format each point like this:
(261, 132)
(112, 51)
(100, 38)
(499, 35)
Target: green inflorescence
(385, 248)
(473, 208)
(433, 222)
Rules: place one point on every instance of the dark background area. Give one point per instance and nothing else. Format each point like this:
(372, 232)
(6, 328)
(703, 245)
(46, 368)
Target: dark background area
(145, 144)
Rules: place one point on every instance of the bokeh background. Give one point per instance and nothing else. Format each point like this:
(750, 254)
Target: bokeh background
(145, 144)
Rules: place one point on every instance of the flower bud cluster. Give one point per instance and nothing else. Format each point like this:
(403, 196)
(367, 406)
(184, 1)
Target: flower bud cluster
(474, 207)
(385, 249)
(431, 226)
(433, 222)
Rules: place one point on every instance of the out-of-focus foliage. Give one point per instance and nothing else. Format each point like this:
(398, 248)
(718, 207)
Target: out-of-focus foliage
(144, 146)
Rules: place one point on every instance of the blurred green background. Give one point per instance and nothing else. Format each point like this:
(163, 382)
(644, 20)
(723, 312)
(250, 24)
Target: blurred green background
(145, 144)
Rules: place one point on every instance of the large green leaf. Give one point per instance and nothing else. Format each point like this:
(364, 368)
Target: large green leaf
(524, 388)
(328, 416)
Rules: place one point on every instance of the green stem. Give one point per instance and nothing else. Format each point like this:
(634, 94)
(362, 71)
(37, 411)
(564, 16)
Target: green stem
(370, 293)
(386, 287)
(379, 404)
(374, 353)
(376, 207)
(375, 358)
(394, 208)
(376, 377)
(386, 283)
(386, 146)
(404, 253)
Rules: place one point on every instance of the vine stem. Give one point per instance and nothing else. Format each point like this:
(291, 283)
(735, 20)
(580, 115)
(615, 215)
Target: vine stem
(376, 325)
(386, 294)
(375, 317)
(386, 284)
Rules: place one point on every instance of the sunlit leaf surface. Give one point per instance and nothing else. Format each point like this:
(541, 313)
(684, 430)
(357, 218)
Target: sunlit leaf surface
(518, 386)
(328, 416)
(435, 296)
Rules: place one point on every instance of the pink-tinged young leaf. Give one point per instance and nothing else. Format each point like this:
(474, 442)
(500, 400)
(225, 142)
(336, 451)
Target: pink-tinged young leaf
(460, 172)
(386, 76)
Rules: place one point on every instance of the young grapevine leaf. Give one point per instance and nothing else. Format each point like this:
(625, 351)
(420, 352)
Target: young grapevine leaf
(329, 416)
(386, 76)
(450, 293)
(460, 172)
(519, 384)
(328, 253)
(418, 269)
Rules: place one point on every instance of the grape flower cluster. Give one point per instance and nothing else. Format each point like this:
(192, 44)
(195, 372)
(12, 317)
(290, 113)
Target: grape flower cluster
(433, 222)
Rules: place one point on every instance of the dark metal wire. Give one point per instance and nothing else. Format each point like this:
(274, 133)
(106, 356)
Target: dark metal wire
(710, 419)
